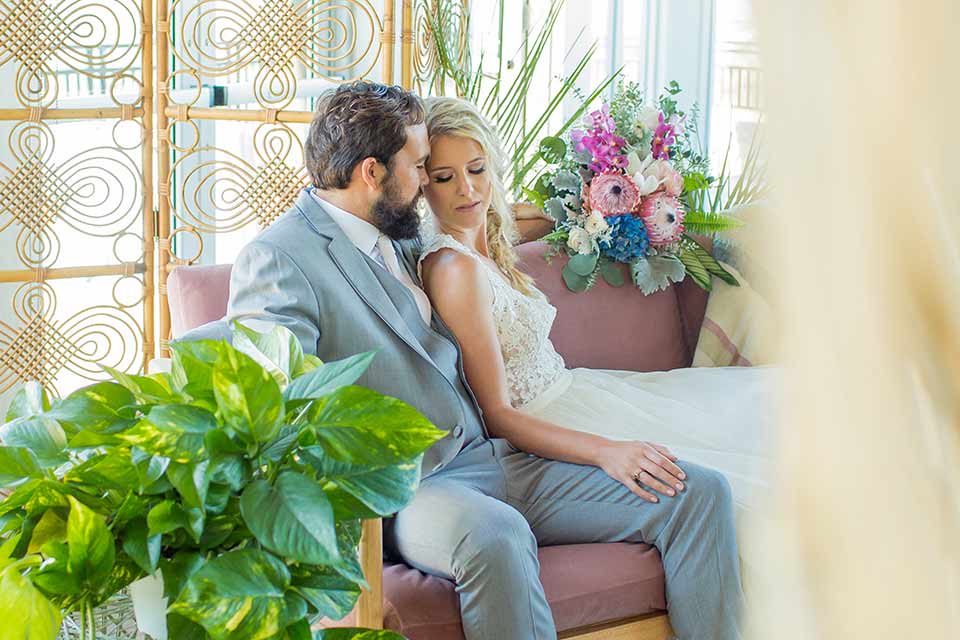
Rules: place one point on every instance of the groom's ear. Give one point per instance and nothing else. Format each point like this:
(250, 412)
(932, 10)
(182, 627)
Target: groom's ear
(371, 171)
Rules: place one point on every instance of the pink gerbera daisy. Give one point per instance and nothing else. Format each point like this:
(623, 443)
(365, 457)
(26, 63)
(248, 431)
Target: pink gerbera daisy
(613, 193)
(662, 215)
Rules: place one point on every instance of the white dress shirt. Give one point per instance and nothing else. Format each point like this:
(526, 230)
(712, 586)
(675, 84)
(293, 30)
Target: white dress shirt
(368, 239)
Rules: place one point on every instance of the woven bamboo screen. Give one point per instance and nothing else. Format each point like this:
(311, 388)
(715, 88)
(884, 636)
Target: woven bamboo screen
(93, 208)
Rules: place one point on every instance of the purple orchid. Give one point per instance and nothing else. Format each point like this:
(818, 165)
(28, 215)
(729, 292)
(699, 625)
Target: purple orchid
(604, 146)
(664, 137)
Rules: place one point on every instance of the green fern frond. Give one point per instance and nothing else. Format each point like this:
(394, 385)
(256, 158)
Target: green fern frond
(709, 224)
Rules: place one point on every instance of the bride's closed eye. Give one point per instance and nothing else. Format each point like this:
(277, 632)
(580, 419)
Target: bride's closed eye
(476, 172)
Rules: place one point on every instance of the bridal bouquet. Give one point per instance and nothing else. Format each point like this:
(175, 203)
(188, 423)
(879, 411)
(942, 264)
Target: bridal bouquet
(626, 187)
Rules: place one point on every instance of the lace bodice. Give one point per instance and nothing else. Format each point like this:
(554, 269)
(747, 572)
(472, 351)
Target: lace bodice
(523, 327)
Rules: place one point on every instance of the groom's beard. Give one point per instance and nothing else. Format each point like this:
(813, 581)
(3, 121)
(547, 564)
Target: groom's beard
(395, 218)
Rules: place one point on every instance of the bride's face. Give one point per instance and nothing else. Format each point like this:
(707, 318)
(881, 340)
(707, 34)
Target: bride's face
(459, 189)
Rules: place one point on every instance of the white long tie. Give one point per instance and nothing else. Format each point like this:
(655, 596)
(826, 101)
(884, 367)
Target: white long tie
(389, 258)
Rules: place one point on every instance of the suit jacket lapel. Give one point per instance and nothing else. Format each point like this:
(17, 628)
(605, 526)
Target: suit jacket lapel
(357, 271)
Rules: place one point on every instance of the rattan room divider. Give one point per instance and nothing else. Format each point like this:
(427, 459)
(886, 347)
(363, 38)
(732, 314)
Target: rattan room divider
(108, 180)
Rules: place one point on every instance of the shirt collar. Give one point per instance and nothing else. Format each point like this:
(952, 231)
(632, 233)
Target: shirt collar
(361, 233)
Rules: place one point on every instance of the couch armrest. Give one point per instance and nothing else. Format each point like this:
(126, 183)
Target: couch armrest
(370, 604)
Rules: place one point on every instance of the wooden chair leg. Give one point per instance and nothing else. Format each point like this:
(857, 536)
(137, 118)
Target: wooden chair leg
(370, 604)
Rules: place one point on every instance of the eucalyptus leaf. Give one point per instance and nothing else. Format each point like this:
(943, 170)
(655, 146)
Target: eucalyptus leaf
(329, 378)
(552, 150)
(583, 264)
(292, 518)
(361, 426)
(612, 273)
(247, 396)
(241, 595)
(574, 281)
(657, 273)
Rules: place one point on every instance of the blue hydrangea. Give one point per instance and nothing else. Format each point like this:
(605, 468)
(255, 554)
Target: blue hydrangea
(627, 240)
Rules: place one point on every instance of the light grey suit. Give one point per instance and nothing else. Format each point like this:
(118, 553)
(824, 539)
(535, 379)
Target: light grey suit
(483, 506)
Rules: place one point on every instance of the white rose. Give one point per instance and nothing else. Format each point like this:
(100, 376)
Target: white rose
(579, 241)
(596, 224)
(650, 118)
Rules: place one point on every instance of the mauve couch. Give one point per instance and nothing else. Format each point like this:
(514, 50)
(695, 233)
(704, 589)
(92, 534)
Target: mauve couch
(596, 591)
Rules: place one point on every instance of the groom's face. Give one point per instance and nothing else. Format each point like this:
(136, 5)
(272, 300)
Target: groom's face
(395, 210)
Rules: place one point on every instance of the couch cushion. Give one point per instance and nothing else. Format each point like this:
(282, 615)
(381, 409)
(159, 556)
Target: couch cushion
(585, 584)
(197, 294)
(618, 328)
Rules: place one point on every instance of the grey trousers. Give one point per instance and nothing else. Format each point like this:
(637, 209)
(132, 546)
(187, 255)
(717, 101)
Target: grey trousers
(479, 521)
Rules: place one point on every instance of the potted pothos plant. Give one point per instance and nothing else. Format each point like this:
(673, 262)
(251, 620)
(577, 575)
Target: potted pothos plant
(240, 479)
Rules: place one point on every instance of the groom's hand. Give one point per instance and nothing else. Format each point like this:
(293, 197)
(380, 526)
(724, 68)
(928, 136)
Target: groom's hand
(639, 464)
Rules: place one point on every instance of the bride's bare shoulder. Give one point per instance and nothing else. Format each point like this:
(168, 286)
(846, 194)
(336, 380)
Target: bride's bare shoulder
(453, 274)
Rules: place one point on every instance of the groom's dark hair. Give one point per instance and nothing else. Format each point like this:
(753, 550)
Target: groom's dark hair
(357, 121)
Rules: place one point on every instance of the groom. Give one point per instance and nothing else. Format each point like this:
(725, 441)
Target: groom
(339, 270)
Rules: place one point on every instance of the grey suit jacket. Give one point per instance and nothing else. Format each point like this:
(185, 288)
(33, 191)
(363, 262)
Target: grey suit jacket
(304, 273)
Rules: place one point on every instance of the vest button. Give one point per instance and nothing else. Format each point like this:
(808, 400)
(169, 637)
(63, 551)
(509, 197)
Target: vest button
(457, 431)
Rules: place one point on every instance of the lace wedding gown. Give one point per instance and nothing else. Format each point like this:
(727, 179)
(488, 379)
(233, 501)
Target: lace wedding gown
(722, 418)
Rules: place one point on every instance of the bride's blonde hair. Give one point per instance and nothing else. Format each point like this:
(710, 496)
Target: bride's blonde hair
(456, 117)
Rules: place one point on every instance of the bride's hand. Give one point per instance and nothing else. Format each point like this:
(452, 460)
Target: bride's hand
(642, 463)
(527, 211)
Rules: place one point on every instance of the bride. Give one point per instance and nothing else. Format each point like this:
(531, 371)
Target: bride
(619, 421)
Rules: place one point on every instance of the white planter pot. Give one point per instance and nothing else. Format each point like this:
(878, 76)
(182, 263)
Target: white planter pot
(149, 606)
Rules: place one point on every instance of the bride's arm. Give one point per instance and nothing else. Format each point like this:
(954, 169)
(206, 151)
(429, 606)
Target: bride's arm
(461, 295)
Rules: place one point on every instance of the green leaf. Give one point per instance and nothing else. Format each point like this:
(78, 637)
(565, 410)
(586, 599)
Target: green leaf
(149, 467)
(247, 396)
(555, 209)
(174, 431)
(552, 150)
(329, 378)
(612, 273)
(25, 612)
(361, 426)
(712, 266)
(310, 362)
(54, 575)
(332, 595)
(299, 630)
(192, 364)
(90, 544)
(142, 547)
(190, 481)
(568, 181)
(169, 516)
(43, 436)
(132, 507)
(177, 570)
(217, 530)
(241, 595)
(354, 633)
(180, 628)
(153, 389)
(293, 518)
(695, 182)
(584, 264)
(657, 273)
(29, 400)
(535, 197)
(709, 224)
(278, 351)
(105, 407)
(18, 464)
(574, 281)
(105, 471)
(695, 269)
(233, 470)
(50, 528)
(348, 541)
(383, 489)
